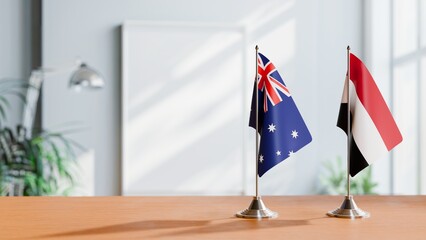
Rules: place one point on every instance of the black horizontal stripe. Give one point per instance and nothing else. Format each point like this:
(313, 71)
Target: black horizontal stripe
(358, 162)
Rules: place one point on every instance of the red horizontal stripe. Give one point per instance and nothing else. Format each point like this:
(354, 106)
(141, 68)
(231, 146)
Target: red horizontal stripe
(373, 102)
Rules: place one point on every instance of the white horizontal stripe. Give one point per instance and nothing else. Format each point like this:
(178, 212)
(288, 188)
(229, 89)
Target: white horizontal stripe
(364, 132)
(345, 91)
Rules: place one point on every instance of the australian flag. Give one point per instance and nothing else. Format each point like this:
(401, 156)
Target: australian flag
(281, 127)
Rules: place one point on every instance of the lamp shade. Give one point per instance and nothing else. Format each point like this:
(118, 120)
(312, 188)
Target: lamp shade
(86, 77)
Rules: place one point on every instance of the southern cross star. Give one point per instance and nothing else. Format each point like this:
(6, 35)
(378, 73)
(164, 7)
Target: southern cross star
(272, 127)
(261, 159)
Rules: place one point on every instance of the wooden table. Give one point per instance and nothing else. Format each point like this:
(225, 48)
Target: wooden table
(301, 217)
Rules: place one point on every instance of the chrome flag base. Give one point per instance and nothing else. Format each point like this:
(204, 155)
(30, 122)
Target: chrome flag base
(257, 209)
(349, 209)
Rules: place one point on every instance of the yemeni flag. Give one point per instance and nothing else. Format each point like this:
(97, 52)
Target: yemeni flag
(373, 129)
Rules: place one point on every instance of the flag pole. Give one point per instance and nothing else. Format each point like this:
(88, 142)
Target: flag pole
(348, 152)
(257, 123)
(257, 208)
(348, 209)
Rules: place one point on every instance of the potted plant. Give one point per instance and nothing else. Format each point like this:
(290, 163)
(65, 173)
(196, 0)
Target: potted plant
(41, 164)
(334, 180)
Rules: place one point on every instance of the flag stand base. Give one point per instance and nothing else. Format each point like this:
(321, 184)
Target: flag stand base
(349, 209)
(257, 209)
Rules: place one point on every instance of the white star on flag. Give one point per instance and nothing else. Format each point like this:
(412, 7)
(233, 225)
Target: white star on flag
(278, 153)
(272, 127)
(294, 134)
(261, 159)
(290, 153)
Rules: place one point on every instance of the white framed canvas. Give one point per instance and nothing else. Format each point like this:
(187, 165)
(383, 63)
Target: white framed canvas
(184, 113)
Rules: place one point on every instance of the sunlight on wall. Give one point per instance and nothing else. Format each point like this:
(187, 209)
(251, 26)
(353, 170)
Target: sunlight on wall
(266, 13)
(405, 34)
(394, 48)
(186, 106)
(281, 48)
(207, 50)
(406, 115)
(305, 39)
(85, 186)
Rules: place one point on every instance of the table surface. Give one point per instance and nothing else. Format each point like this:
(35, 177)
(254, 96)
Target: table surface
(300, 217)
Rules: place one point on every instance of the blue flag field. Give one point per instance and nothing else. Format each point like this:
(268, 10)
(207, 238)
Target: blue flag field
(281, 127)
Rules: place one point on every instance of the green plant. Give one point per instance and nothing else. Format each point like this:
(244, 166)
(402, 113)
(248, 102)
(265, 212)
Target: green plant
(334, 180)
(39, 165)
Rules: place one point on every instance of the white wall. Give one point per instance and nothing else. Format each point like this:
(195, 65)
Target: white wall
(306, 39)
(394, 46)
(15, 48)
(377, 57)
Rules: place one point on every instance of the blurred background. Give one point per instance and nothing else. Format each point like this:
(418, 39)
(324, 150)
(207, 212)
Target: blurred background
(172, 117)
